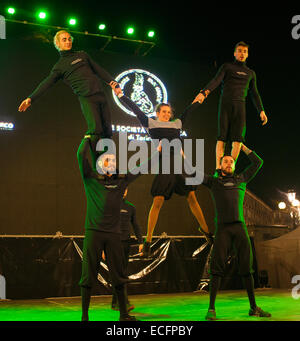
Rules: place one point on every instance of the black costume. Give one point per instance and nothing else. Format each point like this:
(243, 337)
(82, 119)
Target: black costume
(164, 184)
(236, 79)
(128, 217)
(228, 195)
(82, 74)
(104, 196)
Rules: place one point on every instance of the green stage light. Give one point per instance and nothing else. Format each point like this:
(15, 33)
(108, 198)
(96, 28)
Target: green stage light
(151, 34)
(130, 30)
(11, 10)
(72, 21)
(42, 15)
(102, 27)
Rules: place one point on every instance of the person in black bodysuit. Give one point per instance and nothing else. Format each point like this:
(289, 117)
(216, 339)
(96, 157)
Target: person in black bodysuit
(236, 79)
(82, 74)
(104, 195)
(228, 191)
(164, 185)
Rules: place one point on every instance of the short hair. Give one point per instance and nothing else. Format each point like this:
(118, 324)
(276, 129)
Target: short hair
(55, 38)
(160, 105)
(221, 159)
(241, 43)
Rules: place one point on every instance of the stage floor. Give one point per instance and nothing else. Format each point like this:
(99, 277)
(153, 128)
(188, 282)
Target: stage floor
(192, 306)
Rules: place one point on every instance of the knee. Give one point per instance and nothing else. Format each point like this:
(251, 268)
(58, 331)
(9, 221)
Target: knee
(158, 202)
(191, 198)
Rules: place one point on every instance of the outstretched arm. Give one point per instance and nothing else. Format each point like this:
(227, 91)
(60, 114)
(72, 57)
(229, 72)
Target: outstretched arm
(256, 163)
(103, 74)
(142, 117)
(212, 85)
(41, 89)
(189, 110)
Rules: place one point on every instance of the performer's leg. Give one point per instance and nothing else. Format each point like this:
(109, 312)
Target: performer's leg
(221, 247)
(85, 302)
(196, 210)
(115, 263)
(235, 151)
(153, 216)
(238, 128)
(220, 147)
(249, 285)
(92, 249)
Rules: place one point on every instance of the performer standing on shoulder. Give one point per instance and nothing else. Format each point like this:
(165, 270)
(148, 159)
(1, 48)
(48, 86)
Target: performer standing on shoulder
(228, 191)
(236, 79)
(82, 74)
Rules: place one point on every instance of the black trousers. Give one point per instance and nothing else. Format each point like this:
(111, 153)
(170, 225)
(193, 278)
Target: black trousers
(126, 250)
(226, 236)
(94, 243)
(232, 121)
(97, 114)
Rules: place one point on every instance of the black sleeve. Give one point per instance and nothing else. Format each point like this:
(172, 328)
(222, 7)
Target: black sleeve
(99, 71)
(216, 81)
(135, 225)
(142, 117)
(189, 110)
(256, 163)
(256, 99)
(207, 180)
(82, 157)
(46, 84)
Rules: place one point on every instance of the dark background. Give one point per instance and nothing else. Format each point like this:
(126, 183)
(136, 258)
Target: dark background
(41, 190)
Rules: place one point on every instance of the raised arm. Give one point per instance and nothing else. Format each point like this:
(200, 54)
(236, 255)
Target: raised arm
(256, 163)
(82, 156)
(212, 85)
(189, 110)
(142, 117)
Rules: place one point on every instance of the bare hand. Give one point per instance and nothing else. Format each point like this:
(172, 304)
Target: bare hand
(199, 98)
(25, 104)
(117, 90)
(263, 117)
(140, 248)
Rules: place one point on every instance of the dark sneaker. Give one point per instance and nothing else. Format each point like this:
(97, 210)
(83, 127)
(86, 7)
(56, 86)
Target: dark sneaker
(211, 315)
(129, 307)
(128, 318)
(146, 249)
(259, 312)
(208, 236)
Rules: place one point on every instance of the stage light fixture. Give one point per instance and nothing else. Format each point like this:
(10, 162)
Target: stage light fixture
(42, 15)
(130, 30)
(72, 21)
(151, 34)
(102, 27)
(11, 10)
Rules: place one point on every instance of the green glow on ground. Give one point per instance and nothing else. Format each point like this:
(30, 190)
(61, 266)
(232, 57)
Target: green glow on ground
(230, 306)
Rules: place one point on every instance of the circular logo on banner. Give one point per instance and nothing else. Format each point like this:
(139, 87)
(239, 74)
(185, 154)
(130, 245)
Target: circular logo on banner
(143, 88)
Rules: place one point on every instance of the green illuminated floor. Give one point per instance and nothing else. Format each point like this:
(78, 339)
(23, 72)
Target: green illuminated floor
(230, 306)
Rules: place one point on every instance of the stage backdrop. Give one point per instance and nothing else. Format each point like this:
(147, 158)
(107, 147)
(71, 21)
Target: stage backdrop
(41, 189)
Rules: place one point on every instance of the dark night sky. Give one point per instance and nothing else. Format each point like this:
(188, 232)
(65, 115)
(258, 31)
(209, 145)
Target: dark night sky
(207, 34)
